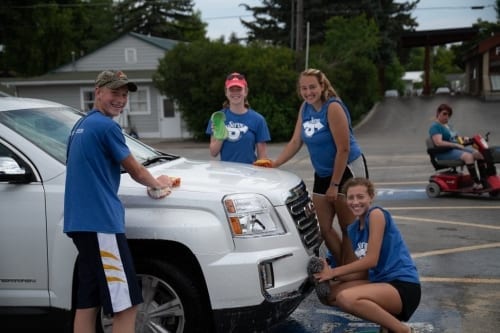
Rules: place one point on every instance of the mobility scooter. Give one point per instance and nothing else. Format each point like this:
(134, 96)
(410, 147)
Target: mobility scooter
(451, 180)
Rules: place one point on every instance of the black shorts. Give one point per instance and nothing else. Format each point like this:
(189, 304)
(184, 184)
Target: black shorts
(321, 184)
(410, 294)
(106, 274)
(356, 168)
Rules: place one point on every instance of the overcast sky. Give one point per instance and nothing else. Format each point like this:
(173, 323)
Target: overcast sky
(223, 16)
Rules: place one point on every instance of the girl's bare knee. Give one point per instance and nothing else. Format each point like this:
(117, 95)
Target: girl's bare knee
(344, 301)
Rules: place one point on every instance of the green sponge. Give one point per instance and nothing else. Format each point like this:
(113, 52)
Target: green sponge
(219, 127)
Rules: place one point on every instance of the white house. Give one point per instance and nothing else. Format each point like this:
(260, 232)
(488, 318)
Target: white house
(409, 79)
(149, 113)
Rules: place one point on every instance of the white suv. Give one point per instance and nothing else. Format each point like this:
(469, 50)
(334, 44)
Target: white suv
(225, 252)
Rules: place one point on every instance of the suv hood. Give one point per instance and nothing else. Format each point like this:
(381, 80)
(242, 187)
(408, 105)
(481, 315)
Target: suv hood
(221, 177)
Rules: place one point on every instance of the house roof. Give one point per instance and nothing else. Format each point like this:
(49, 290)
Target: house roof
(489, 43)
(413, 76)
(58, 78)
(163, 43)
(482, 47)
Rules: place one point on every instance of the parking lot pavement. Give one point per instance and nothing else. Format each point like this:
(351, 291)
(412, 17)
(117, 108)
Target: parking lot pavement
(455, 240)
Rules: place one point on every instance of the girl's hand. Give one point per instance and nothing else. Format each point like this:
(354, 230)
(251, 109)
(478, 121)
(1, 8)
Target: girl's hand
(332, 193)
(326, 274)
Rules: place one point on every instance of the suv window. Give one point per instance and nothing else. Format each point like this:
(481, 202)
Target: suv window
(47, 128)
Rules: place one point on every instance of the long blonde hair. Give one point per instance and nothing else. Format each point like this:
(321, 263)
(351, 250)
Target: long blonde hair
(327, 89)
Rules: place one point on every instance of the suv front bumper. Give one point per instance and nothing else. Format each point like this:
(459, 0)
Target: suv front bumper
(259, 317)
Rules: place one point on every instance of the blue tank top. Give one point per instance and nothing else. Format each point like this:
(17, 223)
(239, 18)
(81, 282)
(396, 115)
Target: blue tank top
(319, 140)
(395, 262)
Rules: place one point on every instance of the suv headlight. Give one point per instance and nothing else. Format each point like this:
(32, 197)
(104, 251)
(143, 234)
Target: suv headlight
(251, 215)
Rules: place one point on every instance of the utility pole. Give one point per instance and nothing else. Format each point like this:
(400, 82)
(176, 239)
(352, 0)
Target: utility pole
(292, 25)
(299, 31)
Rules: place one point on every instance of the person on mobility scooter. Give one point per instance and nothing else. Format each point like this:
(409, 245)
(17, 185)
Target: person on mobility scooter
(447, 151)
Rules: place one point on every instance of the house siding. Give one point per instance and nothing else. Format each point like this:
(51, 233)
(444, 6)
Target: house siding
(65, 84)
(64, 94)
(112, 56)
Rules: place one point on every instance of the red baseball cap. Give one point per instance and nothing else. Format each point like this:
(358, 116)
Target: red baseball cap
(236, 79)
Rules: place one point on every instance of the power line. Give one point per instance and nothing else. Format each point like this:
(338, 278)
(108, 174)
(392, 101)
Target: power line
(455, 7)
(478, 7)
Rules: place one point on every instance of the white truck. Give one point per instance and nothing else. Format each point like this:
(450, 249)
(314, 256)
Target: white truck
(225, 252)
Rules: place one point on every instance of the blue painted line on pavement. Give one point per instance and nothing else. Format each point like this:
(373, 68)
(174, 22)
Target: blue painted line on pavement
(401, 194)
(331, 320)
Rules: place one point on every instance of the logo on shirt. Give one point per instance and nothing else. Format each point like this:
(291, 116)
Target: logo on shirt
(311, 127)
(361, 250)
(236, 131)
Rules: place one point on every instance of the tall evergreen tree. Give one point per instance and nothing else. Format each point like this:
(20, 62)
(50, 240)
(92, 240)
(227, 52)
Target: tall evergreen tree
(174, 19)
(38, 36)
(275, 21)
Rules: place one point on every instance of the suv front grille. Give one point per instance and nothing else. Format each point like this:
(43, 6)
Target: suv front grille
(301, 208)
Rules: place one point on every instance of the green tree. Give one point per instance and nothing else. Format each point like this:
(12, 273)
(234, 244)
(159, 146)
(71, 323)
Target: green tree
(274, 23)
(38, 35)
(94, 23)
(168, 19)
(193, 75)
(41, 35)
(415, 61)
(394, 76)
(444, 61)
(346, 58)
(274, 20)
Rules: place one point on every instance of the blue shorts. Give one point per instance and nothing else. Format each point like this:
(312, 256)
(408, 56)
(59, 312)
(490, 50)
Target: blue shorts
(453, 154)
(106, 274)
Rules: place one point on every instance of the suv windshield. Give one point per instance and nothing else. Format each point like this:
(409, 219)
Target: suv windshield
(49, 129)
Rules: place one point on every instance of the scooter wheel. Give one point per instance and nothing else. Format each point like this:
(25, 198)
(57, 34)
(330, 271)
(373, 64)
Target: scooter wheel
(495, 194)
(433, 190)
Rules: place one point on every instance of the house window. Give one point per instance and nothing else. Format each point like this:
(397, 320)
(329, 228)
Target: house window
(495, 81)
(87, 99)
(130, 55)
(168, 108)
(138, 102)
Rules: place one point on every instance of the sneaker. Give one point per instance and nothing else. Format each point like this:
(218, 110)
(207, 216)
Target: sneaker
(477, 186)
(315, 265)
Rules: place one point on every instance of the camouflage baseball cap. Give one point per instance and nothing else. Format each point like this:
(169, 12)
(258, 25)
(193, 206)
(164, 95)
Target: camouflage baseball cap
(114, 79)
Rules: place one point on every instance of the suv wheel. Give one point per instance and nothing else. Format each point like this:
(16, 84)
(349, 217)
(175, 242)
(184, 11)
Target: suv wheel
(172, 303)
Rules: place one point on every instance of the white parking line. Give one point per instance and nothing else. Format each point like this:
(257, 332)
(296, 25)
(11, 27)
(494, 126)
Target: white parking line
(466, 224)
(455, 250)
(452, 250)
(459, 280)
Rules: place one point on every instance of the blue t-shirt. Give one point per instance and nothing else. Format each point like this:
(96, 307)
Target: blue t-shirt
(395, 262)
(245, 131)
(318, 138)
(96, 149)
(446, 132)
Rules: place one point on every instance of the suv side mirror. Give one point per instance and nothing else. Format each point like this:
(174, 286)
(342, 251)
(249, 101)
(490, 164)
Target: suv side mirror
(12, 172)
